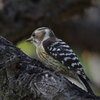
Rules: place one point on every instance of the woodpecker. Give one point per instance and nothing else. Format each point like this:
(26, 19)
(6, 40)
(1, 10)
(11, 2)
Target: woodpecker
(57, 55)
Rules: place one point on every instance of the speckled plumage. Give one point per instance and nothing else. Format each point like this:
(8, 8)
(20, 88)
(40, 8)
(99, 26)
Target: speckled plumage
(57, 55)
(60, 51)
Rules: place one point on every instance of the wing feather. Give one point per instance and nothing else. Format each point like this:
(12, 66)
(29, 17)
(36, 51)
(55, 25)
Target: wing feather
(62, 52)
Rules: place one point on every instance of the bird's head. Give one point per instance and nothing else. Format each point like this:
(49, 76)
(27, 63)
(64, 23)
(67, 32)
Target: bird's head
(40, 34)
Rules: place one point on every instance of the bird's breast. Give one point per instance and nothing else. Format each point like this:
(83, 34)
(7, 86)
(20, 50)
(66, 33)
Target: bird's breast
(47, 59)
(52, 63)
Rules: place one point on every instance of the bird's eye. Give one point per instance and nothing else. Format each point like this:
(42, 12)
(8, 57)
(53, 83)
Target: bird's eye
(34, 35)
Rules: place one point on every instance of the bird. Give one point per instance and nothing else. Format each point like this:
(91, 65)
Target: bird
(57, 55)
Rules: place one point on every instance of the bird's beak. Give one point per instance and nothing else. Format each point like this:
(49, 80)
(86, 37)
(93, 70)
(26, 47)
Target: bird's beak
(29, 39)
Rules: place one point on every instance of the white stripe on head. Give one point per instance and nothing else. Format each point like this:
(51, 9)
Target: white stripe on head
(47, 34)
(40, 29)
(36, 31)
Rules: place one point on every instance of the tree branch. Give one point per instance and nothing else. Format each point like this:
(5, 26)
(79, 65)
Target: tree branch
(24, 78)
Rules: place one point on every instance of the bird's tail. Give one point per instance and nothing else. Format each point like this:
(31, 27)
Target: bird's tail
(86, 84)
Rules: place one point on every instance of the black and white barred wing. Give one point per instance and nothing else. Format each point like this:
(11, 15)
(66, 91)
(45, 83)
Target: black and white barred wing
(60, 51)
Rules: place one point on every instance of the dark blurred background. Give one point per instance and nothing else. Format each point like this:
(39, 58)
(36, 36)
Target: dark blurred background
(75, 21)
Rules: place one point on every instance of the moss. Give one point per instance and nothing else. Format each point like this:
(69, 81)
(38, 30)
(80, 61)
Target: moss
(27, 48)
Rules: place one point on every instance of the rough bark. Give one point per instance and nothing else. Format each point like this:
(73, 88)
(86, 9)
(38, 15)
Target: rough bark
(18, 18)
(24, 78)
